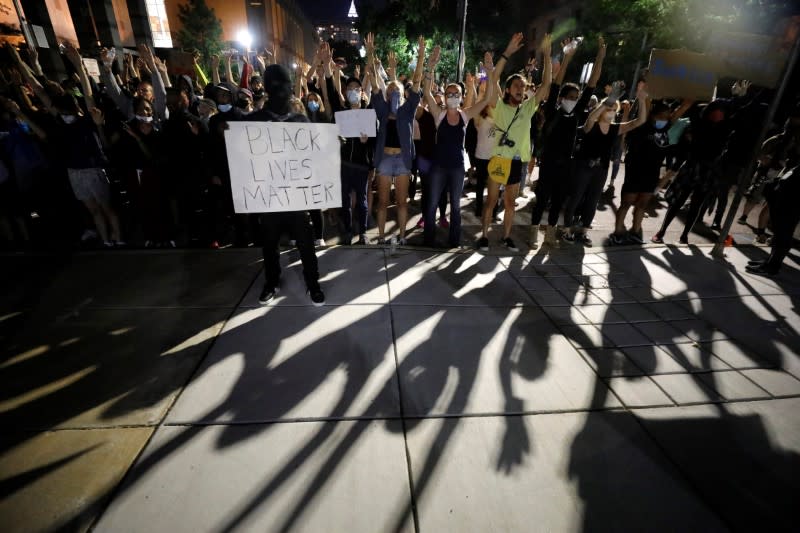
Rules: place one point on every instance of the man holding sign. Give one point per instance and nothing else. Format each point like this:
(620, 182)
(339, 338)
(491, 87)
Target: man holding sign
(276, 165)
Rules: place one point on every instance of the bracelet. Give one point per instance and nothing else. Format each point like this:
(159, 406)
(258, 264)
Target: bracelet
(503, 56)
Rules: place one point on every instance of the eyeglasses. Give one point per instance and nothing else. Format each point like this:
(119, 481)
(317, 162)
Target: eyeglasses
(452, 95)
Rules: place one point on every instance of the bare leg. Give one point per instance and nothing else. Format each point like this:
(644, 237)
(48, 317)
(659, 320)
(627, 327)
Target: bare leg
(401, 196)
(510, 208)
(113, 220)
(384, 188)
(640, 206)
(98, 218)
(492, 192)
(763, 218)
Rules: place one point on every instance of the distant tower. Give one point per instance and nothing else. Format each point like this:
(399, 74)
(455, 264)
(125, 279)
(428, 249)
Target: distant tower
(352, 13)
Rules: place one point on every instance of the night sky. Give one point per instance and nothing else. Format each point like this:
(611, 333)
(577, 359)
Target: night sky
(331, 9)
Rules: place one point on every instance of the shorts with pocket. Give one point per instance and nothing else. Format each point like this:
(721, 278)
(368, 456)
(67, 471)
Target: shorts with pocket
(393, 166)
(89, 184)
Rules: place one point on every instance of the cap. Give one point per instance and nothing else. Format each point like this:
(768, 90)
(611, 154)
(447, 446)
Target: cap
(352, 80)
(246, 92)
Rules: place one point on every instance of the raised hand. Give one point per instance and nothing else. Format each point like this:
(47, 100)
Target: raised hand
(601, 48)
(488, 63)
(73, 55)
(97, 115)
(392, 62)
(514, 45)
(547, 45)
(262, 65)
(469, 80)
(33, 53)
(214, 61)
(325, 53)
(435, 56)
(369, 43)
(107, 56)
(357, 72)
(421, 47)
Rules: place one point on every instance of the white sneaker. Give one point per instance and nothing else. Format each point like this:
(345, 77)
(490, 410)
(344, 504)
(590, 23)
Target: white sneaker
(319, 242)
(292, 242)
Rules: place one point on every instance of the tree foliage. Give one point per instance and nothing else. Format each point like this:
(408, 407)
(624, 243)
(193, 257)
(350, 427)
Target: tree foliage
(398, 24)
(201, 30)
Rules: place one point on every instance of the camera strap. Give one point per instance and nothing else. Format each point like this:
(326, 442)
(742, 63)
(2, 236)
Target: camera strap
(505, 131)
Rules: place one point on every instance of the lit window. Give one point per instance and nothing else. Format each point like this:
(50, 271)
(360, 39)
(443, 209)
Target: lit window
(159, 24)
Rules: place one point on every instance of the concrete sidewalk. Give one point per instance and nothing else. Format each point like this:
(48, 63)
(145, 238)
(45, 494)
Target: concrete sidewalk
(604, 389)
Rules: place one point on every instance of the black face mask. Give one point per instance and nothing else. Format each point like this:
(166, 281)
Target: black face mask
(278, 84)
(242, 103)
(259, 93)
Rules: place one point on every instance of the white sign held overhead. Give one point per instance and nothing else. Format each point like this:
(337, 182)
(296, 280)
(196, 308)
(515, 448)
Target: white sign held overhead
(283, 166)
(355, 122)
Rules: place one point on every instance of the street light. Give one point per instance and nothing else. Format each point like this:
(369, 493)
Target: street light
(245, 38)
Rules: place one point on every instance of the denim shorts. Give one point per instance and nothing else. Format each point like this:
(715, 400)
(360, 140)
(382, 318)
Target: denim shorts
(393, 166)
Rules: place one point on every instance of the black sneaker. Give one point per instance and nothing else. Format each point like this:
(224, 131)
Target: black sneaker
(268, 293)
(635, 237)
(742, 220)
(757, 262)
(657, 238)
(483, 244)
(716, 226)
(615, 239)
(510, 244)
(583, 239)
(317, 296)
(362, 240)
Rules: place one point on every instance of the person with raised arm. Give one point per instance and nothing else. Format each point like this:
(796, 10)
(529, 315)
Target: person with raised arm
(512, 117)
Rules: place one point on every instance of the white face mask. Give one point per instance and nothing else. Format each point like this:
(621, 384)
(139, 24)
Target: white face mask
(225, 107)
(142, 118)
(568, 105)
(353, 96)
(69, 119)
(610, 115)
(453, 102)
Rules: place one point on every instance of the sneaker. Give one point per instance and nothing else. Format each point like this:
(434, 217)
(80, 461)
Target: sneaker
(268, 293)
(292, 242)
(584, 239)
(171, 244)
(443, 223)
(716, 226)
(319, 242)
(635, 237)
(150, 244)
(381, 241)
(615, 239)
(362, 240)
(317, 296)
(401, 241)
(657, 238)
(214, 245)
(569, 237)
(483, 244)
(346, 239)
(757, 262)
(533, 237)
(761, 238)
(88, 235)
(742, 220)
(108, 244)
(510, 244)
(684, 239)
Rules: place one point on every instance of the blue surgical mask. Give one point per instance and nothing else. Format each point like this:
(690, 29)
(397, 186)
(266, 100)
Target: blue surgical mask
(661, 124)
(395, 102)
(313, 106)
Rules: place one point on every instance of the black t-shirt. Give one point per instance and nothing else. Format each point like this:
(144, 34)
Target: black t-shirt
(597, 145)
(647, 147)
(560, 127)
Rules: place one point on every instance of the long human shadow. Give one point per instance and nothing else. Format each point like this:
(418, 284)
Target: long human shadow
(727, 472)
(95, 340)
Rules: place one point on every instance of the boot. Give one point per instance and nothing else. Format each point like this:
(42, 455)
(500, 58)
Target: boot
(533, 237)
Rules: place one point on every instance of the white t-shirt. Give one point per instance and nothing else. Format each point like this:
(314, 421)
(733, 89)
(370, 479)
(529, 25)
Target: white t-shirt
(486, 139)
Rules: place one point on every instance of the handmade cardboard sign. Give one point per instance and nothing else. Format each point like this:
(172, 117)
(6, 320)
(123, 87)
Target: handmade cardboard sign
(355, 122)
(283, 166)
(681, 74)
(748, 56)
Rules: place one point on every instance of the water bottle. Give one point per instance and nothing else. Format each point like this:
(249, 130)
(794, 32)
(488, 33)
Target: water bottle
(573, 45)
(393, 246)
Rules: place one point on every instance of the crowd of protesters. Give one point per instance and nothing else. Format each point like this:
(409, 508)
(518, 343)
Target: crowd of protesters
(138, 157)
